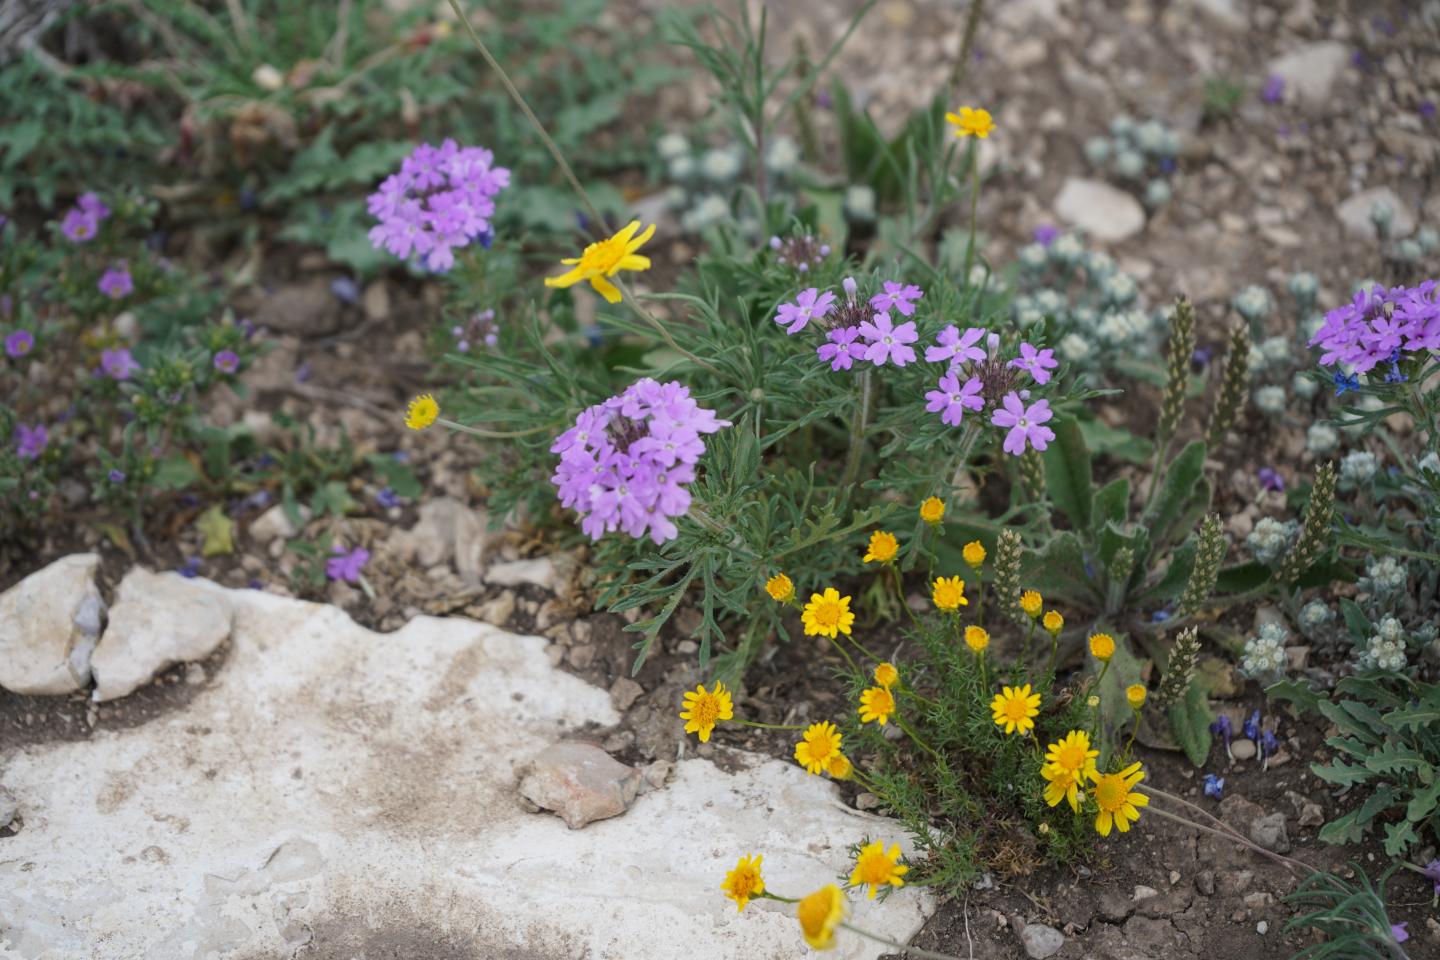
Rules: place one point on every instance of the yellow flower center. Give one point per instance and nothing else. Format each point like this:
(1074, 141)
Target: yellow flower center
(704, 710)
(1071, 755)
(1111, 792)
(1015, 709)
(827, 614)
(603, 255)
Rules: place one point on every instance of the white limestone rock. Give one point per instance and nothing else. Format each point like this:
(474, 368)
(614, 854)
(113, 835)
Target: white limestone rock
(1102, 211)
(48, 626)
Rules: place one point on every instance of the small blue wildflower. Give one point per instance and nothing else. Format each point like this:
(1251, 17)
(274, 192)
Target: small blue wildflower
(1214, 786)
(345, 289)
(1221, 728)
(191, 568)
(1251, 726)
(256, 584)
(117, 476)
(1201, 357)
(303, 373)
(1343, 383)
(1160, 616)
(1270, 479)
(1395, 376)
(1269, 744)
(400, 456)
(387, 498)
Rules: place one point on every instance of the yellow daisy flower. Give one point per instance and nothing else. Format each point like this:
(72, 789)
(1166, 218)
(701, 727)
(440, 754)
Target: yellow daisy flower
(1092, 701)
(744, 882)
(819, 914)
(1061, 785)
(1053, 622)
(422, 412)
(820, 744)
(948, 593)
(1015, 709)
(932, 510)
(827, 614)
(839, 767)
(971, 122)
(977, 639)
(1102, 646)
(1119, 803)
(875, 867)
(703, 708)
(974, 553)
(780, 588)
(886, 675)
(1135, 694)
(604, 259)
(1031, 602)
(876, 703)
(883, 547)
(1072, 754)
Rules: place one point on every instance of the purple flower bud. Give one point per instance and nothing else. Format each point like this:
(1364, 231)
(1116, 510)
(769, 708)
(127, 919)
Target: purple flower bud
(1269, 744)
(1214, 786)
(1251, 727)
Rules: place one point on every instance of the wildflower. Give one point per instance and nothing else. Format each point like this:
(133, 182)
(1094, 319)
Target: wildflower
(441, 199)
(1119, 803)
(1053, 622)
(971, 122)
(1270, 538)
(780, 588)
(1269, 744)
(1102, 647)
(819, 745)
(810, 305)
(1270, 479)
(422, 412)
(79, 226)
(1015, 708)
(1264, 655)
(883, 547)
(116, 282)
(19, 343)
(1025, 423)
(827, 614)
(841, 349)
(118, 364)
(889, 343)
(1031, 602)
(875, 867)
(116, 476)
(606, 258)
(932, 510)
(876, 703)
(1045, 234)
(1274, 88)
(952, 399)
(897, 296)
(819, 914)
(1092, 701)
(948, 594)
(387, 498)
(955, 347)
(1398, 931)
(1068, 761)
(1037, 363)
(1135, 695)
(704, 707)
(1214, 786)
(744, 882)
(1220, 727)
(886, 675)
(839, 767)
(227, 361)
(1357, 467)
(31, 441)
(977, 639)
(1432, 873)
(625, 463)
(974, 554)
(346, 565)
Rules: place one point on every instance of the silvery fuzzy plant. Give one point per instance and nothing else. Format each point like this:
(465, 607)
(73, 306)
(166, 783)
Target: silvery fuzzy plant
(1139, 156)
(1145, 562)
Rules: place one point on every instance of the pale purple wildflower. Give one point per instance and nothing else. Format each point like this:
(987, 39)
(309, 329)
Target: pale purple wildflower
(889, 343)
(1045, 234)
(1380, 326)
(117, 476)
(956, 347)
(1214, 786)
(1399, 931)
(116, 282)
(346, 565)
(897, 296)
(841, 349)
(1026, 424)
(441, 199)
(1274, 89)
(227, 361)
(345, 289)
(387, 498)
(1432, 873)
(1270, 479)
(31, 441)
(810, 305)
(82, 221)
(19, 343)
(118, 364)
(626, 463)
(1037, 363)
(952, 399)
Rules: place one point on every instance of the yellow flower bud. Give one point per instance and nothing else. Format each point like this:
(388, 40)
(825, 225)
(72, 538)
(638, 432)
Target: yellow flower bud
(780, 588)
(1031, 602)
(1135, 693)
(977, 639)
(932, 510)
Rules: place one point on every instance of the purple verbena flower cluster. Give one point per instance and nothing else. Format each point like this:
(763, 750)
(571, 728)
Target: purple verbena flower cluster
(626, 462)
(856, 329)
(990, 378)
(442, 199)
(1381, 326)
(801, 252)
(82, 221)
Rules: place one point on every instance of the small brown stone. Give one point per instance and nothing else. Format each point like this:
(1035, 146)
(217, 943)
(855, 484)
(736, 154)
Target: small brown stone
(581, 783)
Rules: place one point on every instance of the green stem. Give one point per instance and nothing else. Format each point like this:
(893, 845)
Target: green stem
(491, 434)
(919, 741)
(771, 726)
(848, 659)
(974, 207)
(857, 434)
(900, 595)
(767, 895)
